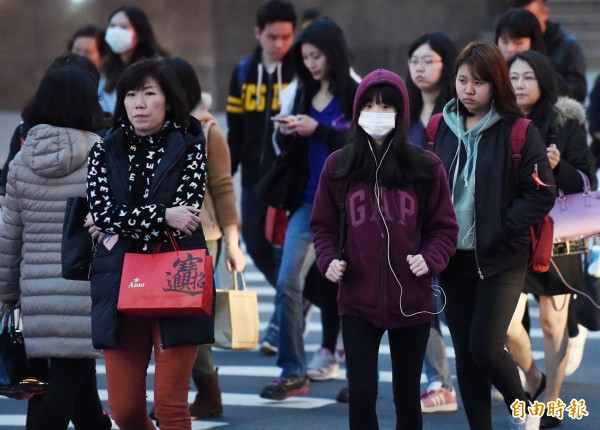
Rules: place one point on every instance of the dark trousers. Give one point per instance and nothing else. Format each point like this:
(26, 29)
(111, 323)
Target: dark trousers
(478, 314)
(323, 293)
(264, 255)
(72, 395)
(407, 348)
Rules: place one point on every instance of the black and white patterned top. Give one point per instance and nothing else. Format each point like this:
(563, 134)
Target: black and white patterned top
(144, 221)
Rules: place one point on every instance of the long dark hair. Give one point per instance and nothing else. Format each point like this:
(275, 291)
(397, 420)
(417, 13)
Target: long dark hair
(133, 78)
(541, 68)
(404, 163)
(146, 47)
(485, 61)
(67, 96)
(445, 48)
(325, 34)
(518, 23)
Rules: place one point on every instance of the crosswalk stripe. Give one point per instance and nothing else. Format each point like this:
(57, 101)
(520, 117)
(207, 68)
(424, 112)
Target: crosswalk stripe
(241, 399)
(19, 420)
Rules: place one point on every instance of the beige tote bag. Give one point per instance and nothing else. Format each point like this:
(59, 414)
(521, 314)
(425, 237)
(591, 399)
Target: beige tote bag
(236, 317)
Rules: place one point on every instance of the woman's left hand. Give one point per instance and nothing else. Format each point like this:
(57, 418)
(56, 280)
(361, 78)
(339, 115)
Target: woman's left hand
(92, 229)
(234, 258)
(417, 265)
(553, 155)
(305, 125)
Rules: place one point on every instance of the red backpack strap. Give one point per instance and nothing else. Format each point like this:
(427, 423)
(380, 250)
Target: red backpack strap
(432, 128)
(518, 137)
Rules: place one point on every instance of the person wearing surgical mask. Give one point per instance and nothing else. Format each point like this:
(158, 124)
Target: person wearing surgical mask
(399, 233)
(130, 37)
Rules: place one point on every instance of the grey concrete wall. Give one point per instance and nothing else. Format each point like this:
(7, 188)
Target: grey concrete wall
(215, 34)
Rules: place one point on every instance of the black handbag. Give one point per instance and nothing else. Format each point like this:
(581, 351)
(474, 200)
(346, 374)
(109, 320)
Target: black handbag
(13, 361)
(78, 246)
(16, 378)
(282, 186)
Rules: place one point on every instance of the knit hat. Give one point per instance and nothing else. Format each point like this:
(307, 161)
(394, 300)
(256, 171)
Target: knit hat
(383, 77)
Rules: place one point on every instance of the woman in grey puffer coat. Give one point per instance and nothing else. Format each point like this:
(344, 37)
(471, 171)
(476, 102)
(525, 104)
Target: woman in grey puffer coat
(52, 166)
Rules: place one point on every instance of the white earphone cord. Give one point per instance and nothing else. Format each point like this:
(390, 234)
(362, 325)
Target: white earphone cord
(437, 289)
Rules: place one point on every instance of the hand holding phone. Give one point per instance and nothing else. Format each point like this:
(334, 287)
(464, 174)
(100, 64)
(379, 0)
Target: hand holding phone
(284, 119)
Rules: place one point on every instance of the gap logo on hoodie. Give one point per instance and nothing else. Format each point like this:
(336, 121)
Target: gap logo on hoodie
(362, 209)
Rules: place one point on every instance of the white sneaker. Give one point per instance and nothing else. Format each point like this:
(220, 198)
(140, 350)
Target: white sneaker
(530, 422)
(323, 366)
(575, 350)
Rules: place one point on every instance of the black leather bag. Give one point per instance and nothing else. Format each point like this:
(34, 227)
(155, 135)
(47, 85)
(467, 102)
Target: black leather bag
(13, 361)
(17, 379)
(282, 186)
(77, 248)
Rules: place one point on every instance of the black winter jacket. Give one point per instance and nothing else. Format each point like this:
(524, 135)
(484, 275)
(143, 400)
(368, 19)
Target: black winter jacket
(564, 125)
(250, 128)
(106, 265)
(566, 56)
(506, 205)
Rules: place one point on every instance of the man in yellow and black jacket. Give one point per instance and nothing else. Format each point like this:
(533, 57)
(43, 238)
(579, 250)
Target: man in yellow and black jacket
(256, 84)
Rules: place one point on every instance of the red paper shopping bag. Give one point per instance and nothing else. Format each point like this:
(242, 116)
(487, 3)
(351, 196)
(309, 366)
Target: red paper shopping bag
(275, 225)
(177, 283)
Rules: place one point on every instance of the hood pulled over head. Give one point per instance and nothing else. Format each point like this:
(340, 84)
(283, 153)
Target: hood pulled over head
(383, 77)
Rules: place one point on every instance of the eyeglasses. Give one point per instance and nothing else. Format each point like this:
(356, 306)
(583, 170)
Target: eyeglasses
(425, 62)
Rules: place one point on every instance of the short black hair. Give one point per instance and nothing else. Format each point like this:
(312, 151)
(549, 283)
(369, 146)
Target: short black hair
(79, 61)
(67, 96)
(522, 3)
(189, 80)
(517, 23)
(275, 11)
(133, 77)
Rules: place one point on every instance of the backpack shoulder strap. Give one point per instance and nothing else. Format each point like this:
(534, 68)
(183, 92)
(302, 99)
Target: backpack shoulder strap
(518, 137)
(242, 72)
(341, 192)
(432, 128)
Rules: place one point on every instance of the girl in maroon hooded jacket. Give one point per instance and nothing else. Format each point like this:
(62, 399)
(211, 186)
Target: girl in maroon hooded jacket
(400, 232)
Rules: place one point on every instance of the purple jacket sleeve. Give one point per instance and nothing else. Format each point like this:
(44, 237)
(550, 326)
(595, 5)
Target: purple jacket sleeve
(324, 221)
(440, 229)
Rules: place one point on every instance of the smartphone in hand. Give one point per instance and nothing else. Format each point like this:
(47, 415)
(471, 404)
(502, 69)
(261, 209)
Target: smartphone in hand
(285, 119)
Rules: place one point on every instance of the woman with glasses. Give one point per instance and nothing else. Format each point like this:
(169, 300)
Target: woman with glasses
(431, 85)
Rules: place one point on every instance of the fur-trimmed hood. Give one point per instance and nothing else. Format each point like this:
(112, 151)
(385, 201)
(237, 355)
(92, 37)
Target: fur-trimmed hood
(567, 109)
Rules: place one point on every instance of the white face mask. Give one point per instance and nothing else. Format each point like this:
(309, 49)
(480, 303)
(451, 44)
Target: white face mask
(119, 39)
(377, 124)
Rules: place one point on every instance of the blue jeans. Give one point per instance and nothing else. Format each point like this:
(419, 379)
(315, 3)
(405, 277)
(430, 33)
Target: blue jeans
(266, 257)
(298, 256)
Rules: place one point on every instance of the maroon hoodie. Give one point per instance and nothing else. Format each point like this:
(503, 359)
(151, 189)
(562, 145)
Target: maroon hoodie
(369, 289)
